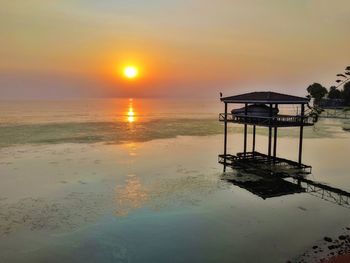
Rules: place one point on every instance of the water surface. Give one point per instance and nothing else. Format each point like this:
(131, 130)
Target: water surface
(138, 181)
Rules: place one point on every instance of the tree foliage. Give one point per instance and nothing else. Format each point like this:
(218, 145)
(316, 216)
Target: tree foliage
(317, 91)
(334, 93)
(344, 81)
(346, 93)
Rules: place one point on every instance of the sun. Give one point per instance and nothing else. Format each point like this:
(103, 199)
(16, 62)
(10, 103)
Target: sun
(130, 72)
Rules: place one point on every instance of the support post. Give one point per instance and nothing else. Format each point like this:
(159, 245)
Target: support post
(270, 134)
(274, 143)
(299, 182)
(301, 133)
(245, 129)
(254, 132)
(225, 136)
(275, 138)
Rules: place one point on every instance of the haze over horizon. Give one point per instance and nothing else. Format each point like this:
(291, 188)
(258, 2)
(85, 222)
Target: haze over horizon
(195, 49)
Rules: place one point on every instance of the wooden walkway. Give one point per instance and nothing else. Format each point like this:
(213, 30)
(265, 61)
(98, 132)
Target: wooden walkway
(325, 192)
(277, 121)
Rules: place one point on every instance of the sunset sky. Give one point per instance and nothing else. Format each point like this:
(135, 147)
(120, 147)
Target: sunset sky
(78, 48)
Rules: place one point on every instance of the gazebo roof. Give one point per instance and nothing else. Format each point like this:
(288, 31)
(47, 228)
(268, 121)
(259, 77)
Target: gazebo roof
(265, 97)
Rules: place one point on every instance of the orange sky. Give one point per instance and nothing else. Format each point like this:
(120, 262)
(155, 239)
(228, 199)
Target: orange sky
(66, 49)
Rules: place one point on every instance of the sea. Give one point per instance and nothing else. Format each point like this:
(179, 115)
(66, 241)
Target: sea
(138, 180)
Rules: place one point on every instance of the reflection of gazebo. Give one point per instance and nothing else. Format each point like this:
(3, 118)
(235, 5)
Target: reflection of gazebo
(266, 186)
(262, 109)
(262, 183)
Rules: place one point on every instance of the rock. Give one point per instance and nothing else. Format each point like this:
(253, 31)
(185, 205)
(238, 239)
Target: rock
(314, 247)
(331, 247)
(342, 237)
(328, 239)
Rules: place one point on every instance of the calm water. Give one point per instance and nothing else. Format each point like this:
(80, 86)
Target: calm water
(138, 181)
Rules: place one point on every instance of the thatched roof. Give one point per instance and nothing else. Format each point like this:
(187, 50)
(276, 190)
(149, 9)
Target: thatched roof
(265, 97)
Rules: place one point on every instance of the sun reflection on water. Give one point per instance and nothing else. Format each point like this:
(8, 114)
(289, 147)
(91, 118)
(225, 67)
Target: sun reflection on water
(131, 113)
(130, 196)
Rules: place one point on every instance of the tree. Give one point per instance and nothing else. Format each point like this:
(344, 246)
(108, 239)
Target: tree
(344, 80)
(344, 77)
(346, 93)
(317, 91)
(334, 93)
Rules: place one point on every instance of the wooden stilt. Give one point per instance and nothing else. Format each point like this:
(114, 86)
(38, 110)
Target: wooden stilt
(270, 134)
(275, 138)
(301, 133)
(254, 131)
(245, 130)
(225, 136)
(274, 143)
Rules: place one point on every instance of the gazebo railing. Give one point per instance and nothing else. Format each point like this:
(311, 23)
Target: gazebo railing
(293, 120)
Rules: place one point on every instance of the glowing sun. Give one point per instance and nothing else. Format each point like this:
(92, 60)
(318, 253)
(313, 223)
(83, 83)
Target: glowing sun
(130, 72)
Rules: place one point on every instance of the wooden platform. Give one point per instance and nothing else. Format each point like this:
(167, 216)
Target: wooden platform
(266, 164)
(277, 121)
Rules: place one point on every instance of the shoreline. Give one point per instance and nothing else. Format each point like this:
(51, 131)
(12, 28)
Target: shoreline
(339, 259)
(330, 249)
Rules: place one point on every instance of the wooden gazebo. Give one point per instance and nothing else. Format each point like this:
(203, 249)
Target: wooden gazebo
(262, 109)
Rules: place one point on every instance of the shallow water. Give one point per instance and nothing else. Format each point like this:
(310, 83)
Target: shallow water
(150, 190)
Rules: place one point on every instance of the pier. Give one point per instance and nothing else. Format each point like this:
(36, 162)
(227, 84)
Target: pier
(262, 109)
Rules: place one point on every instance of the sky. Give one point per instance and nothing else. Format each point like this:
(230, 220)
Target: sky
(183, 48)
